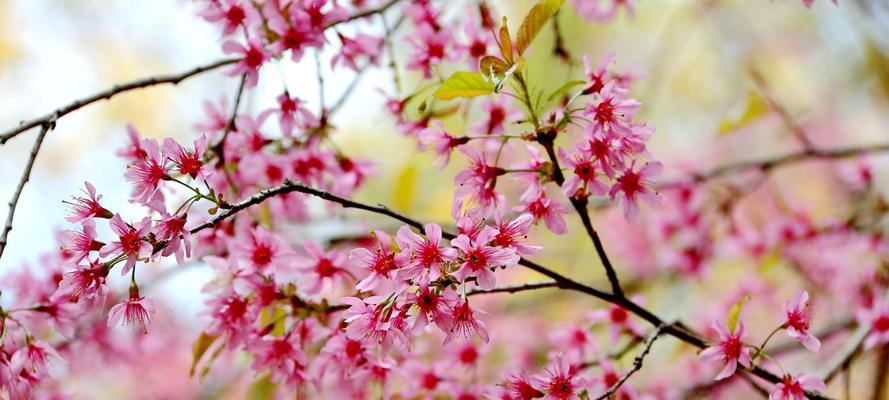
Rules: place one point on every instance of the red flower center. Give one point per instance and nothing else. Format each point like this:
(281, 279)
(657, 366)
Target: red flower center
(235, 15)
(561, 387)
(881, 324)
(262, 255)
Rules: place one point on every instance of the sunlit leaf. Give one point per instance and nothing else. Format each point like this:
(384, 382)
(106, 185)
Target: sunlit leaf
(734, 313)
(261, 389)
(464, 84)
(492, 66)
(198, 349)
(505, 42)
(534, 21)
(755, 107)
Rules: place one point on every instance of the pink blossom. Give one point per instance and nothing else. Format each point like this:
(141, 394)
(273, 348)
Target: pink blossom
(633, 185)
(217, 117)
(85, 282)
(296, 30)
(514, 232)
(497, 112)
(321, 266)
(282, 356)
(542, 207)
(187, 163)
(252, 57)
(382, 262)
(265, 251)
(130, 241)
(134, 151)
(33, 357)
(171, 229)
(84, 208)
(432, 307)
(135, 311)
(423, 254)
(731, 349)
(561, 382)
(231, 14)
(799, 316)
(80, 244)
(479, 258)
(464, 323)
(292, 113)
(147, 174)
(437, 139)
(521, 387)
(877, 317)
(613, 112)
(791, 388)
(584, 176)
(430, 47)
(361, 46)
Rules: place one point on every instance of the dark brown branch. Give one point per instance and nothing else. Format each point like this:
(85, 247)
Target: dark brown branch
(107, 94)
(676, 330)
(580, 205)
(26, 175)
(516, 288)
(637, 363)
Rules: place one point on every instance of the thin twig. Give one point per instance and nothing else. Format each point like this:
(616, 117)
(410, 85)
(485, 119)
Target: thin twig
(366, 13)
(637, 363)
(515, 288)
(107, 94)
(676, 330)
(26, 175)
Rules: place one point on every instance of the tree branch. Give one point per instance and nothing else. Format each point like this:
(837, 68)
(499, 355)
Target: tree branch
(26, 175)
(109, 93)
(637, 363)
(676, 330)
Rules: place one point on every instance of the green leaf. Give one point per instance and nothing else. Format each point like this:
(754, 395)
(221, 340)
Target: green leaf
(464, 84)
(261, 389)
(755, 107)
(200, 347)
(534, 21)
(564, 89)
(734, 313)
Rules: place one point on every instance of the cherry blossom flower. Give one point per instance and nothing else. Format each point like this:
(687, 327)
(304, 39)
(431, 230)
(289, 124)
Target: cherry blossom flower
(265, 251)
(188, 163)
(423, 254)
(513, 233)
(217, 117)
(437, 139)
(432, 307)
(231, 14)
(382, 262)
(730, 350)
(130, 241)
(147, 174)
(33, 357)
(521, 387)
(795, 388)
(135, 311)
(430, 47)
(877, 317)
(799, 316)
(541, 207)
(497, 112)
(80, 244)
(282, 356)
(361, 46)
(171, 229)
(292, 114)
(561, 382)
(584, 177)
(464, 322)
(613, 112)
(84, 208)
(84, 282)
(251, 59)
(634, 185)
(479, 258)
(296, 31)
(321, 266)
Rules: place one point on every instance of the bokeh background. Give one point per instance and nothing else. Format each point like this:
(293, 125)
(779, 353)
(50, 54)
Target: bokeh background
(828, 65)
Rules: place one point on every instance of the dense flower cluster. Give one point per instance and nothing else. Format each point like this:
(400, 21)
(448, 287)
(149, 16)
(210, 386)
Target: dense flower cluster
(400, 311)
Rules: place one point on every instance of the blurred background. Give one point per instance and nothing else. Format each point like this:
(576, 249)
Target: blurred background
(696, 62)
